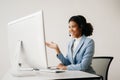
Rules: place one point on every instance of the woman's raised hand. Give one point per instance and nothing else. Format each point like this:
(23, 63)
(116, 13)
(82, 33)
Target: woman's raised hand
(53, 46)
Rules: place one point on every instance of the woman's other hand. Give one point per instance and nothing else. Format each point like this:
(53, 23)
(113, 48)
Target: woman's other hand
(61, 66)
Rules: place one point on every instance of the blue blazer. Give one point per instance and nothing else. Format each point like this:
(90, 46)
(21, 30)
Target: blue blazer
(82, 56)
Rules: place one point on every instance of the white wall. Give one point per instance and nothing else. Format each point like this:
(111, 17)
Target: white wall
(103, 14)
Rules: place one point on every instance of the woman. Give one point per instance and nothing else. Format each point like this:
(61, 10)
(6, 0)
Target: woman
(80, 48)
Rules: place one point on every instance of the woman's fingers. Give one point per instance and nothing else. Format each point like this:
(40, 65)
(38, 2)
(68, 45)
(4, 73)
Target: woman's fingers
(51, 45)
(52, 42)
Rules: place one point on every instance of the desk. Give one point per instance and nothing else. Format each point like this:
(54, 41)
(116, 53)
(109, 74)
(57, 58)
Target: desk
(35, 75)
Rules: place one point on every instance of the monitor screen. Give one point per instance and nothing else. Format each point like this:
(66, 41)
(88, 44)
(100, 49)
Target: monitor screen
(26, 41)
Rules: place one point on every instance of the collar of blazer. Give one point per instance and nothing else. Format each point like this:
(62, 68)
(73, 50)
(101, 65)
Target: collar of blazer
(78, 47)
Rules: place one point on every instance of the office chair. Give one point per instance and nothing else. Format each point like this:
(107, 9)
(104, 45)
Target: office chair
(101, 66)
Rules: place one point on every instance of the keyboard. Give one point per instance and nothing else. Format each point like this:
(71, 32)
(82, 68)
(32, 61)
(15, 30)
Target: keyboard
(52, 70)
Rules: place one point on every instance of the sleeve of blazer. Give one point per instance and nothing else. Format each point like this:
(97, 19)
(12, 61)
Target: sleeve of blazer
(64, 60)
(86, 59)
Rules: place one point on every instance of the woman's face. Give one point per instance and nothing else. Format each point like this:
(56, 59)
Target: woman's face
(74, 30)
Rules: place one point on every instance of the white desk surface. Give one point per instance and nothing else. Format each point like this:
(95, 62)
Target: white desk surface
(36, 75)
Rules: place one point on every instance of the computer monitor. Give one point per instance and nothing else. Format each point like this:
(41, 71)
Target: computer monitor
(26, 38)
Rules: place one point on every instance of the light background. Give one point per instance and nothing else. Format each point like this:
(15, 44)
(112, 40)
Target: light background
(104, 15)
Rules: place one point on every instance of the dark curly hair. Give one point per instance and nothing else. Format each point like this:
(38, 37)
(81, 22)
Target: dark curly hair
(86, 28)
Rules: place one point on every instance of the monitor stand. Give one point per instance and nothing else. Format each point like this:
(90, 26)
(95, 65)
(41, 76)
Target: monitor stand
(17, 66)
